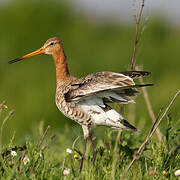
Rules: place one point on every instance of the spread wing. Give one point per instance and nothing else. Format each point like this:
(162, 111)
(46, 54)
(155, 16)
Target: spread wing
(110, 86)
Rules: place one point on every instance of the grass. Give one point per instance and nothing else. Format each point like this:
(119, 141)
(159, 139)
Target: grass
(44, 156)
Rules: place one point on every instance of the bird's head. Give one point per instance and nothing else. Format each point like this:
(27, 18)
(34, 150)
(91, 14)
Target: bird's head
(51, 46)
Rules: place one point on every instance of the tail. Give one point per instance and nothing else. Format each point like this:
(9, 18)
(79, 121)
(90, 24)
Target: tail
(110, 117)
(136, 74)
(142, 85)
(128, 126)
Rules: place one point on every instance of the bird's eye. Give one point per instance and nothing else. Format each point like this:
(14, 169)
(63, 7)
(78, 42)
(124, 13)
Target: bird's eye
(51, 44)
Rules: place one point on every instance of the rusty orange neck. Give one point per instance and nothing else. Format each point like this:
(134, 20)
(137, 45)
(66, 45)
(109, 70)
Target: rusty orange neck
(62, 72)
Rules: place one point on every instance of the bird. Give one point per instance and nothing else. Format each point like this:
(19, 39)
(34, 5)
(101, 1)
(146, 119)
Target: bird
(87, 100)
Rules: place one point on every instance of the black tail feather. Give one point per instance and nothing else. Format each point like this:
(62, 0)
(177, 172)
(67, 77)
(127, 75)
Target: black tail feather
(128, 125)
(142, 85)
(136, 74)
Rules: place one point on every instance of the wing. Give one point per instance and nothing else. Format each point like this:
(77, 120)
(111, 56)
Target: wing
(136, 74)
(112, 87)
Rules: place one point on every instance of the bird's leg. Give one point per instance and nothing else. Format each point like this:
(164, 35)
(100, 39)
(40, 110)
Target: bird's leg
(86, 136)
(83, 156)
(93, 148)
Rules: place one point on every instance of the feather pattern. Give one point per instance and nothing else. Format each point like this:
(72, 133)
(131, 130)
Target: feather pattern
(84, 100)
(107, 85)
(136, 74)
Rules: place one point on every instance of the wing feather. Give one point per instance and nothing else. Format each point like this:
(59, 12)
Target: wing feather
(136, 74)
(104, 85)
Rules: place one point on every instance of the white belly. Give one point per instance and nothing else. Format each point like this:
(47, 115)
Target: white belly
(94, 107)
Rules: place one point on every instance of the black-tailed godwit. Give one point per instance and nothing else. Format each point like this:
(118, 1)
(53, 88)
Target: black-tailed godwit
(84, 100)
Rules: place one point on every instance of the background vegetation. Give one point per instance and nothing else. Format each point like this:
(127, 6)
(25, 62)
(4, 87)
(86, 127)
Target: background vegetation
(91, 46)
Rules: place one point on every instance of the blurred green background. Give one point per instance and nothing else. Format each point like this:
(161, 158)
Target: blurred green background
(91, 46)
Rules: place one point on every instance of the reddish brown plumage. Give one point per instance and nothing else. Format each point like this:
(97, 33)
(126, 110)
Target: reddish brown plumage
(62, 72)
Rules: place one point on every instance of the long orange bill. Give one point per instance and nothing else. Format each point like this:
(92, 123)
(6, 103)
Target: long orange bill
(34, 53)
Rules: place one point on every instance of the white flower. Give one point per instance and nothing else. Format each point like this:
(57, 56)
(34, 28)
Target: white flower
(13, 153)
(69, 151)
(40, 155)
(66, 172)
(177, 172)
(26, 160)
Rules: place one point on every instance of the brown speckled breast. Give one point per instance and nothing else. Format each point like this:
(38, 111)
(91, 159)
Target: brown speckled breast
(70, 109)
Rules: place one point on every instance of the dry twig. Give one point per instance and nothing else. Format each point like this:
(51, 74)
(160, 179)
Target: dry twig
(44, 135)
(136, 35)
(149, 106)
(137, 20)
(153, 129)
